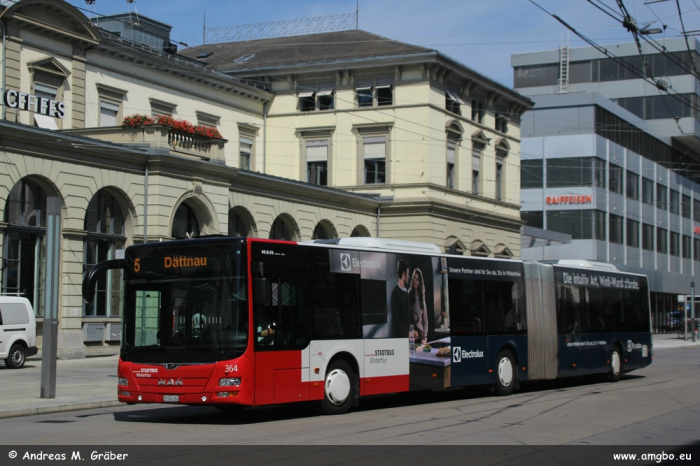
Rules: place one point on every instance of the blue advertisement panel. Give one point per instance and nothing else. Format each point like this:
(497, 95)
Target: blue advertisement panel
(486, 310)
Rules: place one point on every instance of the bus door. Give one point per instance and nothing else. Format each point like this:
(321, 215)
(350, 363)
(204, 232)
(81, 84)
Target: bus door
(573, 349)
(280, 339)
(468, 333)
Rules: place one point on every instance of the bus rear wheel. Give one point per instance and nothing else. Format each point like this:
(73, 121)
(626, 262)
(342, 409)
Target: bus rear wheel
(615, 364)
(506, 373)
(339, 388)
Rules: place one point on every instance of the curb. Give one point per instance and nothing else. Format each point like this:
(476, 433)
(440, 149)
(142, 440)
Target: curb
(60, 408)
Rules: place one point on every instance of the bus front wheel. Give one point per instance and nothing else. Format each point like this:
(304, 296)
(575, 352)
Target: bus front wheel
(339, 388)
(615, 364)
(506, 372)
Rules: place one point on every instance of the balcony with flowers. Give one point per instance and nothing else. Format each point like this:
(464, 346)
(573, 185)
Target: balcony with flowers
(180, 137)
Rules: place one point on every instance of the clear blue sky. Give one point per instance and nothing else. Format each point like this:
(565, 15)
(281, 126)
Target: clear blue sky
(482, 34)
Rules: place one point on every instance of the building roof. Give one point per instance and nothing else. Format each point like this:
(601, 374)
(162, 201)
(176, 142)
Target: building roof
(317, 49)
(329, 50)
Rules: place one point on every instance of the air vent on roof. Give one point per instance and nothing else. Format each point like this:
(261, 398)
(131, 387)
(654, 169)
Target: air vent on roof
(205, 54)
(169, 47)
(243, 59)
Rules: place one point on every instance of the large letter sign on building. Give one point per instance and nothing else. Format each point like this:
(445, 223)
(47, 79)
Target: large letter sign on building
(41, 105)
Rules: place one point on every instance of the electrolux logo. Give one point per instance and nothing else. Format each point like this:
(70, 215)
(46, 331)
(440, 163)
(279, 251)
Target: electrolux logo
(345, 262)
(458, 354)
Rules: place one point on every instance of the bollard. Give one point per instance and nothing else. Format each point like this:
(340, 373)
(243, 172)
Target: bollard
(695, 335)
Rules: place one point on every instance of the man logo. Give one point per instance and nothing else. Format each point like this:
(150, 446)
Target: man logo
(457, 354)
(345, 263)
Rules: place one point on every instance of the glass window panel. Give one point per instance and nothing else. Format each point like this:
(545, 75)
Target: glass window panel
(632, 233)
(661, 191)
(616, 229)
(279, 230)
(674, 202)
(185, 222)
(375, 171)
(14, 205)
(674, 243)
(570, 172)
(576, 223)
(648, 237)
(236, 225)
(616, 178)
(609, 70)
(536, 75)
(385, 95)
(687, 245)
(647, 191)
(599, 173)
(686, 206)
(632, 185)
(531, 174)
(533, 218)
(661, 241)
(580, 72)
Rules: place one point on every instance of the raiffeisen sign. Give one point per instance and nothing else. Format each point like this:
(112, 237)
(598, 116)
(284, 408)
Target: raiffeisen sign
(41, 105)
(561, 200)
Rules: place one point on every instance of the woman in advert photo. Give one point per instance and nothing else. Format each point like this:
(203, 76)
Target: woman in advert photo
(416, 296)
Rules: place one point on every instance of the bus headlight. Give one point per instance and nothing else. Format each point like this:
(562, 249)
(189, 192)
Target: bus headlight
(230, 382)
(122, 381)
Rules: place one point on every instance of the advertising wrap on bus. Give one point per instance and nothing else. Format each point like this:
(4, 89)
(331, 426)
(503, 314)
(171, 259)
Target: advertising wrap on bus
(235, 322)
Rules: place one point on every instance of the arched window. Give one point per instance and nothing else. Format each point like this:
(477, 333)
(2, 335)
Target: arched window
(360, 231)
(320, 232)
(280, 230)
(502, 149)
(185, 222)
(236, 225)
(104, 224)
(23, 266)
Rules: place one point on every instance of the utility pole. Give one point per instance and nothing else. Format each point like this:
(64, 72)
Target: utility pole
(693, 328)
(49, 344)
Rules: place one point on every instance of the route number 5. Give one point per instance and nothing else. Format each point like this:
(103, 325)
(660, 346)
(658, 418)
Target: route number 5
(137, 264)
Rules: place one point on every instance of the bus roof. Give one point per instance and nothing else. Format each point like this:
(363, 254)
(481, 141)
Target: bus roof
(381, 243)
(588, 264)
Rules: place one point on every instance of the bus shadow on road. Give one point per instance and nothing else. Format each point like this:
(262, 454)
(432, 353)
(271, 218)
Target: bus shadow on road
(209, 415)
(205, 415)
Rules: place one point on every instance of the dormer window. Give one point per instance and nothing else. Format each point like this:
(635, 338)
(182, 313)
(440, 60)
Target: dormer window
(501, 122)
(453, 102)
(242, 59)
(316, 97)
(374, 92)
(477, 111)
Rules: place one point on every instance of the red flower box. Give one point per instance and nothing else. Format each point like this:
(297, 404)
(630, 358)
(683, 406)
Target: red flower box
(135, 121)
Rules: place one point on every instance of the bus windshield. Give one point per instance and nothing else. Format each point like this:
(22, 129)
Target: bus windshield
(185, 304)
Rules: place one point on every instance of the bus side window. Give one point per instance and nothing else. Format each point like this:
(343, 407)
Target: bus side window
(334, 300)
(466, 307)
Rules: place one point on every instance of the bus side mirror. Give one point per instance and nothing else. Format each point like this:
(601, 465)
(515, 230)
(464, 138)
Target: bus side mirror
(261, 291)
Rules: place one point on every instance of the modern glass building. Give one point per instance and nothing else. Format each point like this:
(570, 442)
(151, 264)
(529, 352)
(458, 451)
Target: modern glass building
(602, 162)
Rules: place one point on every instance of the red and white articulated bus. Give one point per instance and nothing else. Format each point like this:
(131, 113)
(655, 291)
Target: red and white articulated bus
(238, 322)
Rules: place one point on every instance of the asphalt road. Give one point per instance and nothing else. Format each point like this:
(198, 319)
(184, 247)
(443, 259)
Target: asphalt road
(658, 405)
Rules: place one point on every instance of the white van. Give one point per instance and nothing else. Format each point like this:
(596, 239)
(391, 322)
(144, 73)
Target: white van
(17, 331)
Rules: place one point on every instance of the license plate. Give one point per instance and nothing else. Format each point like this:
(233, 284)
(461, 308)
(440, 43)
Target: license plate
(171, 398)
